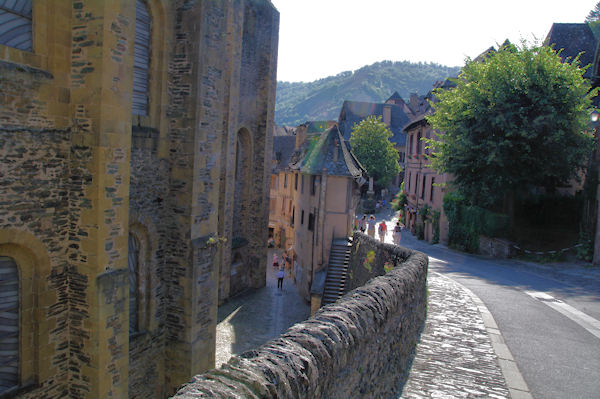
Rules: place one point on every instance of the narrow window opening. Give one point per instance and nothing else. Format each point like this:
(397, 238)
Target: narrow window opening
(9, 324)
(141, 59)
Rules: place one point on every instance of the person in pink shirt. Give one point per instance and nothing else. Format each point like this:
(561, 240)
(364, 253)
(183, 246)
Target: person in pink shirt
(382, 230)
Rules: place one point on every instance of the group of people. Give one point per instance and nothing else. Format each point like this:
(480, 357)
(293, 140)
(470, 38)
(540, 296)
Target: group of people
(370, 223)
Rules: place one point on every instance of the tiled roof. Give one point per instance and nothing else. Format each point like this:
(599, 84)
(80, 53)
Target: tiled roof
(283, 148)
(574, 39)
(394, 96)
(320, 155)
(355, 111)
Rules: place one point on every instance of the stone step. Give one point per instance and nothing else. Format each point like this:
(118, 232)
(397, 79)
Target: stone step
(339, 259)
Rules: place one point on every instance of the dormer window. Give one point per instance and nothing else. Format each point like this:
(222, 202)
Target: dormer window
(16, 24)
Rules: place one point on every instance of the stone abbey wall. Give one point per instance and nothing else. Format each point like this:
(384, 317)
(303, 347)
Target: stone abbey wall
(80, 174)
(360, 346)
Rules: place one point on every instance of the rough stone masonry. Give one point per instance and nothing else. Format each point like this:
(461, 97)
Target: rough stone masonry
(360, 346)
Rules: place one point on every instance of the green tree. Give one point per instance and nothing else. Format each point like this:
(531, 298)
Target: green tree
(370, 141)
(517, 119)
(594, 14)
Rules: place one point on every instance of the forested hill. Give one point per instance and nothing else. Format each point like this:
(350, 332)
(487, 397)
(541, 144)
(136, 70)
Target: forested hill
(298, 102)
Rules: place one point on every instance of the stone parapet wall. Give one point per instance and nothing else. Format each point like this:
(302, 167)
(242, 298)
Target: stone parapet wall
(360, 346)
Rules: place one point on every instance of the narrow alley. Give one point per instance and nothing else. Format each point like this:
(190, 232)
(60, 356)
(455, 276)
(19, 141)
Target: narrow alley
(249, 320)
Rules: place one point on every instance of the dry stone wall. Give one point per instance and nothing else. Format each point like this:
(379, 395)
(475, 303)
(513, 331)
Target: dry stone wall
(360, 346)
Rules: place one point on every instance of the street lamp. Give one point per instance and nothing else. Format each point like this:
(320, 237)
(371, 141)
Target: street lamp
(595, 119)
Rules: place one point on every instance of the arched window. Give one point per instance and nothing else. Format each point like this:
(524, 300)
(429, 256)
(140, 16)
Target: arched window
(141, 59)
(134, 278)
(9, 324)
(15, 24)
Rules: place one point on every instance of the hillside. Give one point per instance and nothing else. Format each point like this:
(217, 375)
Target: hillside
(298, 102)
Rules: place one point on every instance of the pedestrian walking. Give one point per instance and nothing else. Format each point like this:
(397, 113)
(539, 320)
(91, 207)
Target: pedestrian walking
(280, 275)
(362, 223)
(397, 233)
(275, 260)
(382, 230)
(371, 226)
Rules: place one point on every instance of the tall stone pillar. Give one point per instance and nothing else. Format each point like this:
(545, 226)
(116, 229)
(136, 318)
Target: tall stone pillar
(100, 99)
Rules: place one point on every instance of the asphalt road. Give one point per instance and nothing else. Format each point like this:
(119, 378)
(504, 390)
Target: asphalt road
(549, 316)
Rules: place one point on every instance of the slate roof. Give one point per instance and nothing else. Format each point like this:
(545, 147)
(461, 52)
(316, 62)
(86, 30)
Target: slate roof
(319, 155)
(394, 96)
(355, 111)
(317, 126)
(283, 148)
(574, 39)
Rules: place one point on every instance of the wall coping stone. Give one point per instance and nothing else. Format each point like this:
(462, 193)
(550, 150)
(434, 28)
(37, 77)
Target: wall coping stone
(361, 345)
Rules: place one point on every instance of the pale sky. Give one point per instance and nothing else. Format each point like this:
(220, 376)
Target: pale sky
(320, 38)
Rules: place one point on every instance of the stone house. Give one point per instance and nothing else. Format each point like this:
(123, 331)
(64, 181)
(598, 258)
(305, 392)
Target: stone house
(395, 113)
(314, 194)
(287, 146)
(424, 187)
(133, 184)
(327, 180)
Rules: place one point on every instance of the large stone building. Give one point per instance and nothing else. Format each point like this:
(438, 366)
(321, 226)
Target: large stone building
(132, 177)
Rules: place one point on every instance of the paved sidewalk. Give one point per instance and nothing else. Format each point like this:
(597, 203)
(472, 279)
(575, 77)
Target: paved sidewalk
(455, 357)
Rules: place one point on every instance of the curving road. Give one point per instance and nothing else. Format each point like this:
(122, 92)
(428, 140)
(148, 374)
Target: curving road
(549, 316)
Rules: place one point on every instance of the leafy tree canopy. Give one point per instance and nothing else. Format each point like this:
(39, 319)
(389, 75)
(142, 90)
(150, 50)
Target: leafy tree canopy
(370, 141)
(517, 119)
(594, 14)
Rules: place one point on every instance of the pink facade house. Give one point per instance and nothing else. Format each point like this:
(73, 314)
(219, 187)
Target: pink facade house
(318, 189)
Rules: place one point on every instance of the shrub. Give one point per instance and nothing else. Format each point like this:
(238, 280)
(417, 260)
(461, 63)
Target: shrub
(467, 223)
(435, 220)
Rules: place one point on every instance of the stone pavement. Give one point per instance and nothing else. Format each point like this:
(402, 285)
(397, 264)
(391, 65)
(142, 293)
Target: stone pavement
(458, 353)
(454, 359)
(249, 320)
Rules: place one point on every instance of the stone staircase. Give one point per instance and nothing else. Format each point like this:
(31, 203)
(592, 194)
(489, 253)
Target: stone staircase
(337, 271)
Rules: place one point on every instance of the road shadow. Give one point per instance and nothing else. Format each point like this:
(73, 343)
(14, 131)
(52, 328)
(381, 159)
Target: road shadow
(567, 279)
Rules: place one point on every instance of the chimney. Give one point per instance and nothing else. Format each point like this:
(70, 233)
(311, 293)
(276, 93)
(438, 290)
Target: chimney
(300, 135)
(387, 114)
(414, 102)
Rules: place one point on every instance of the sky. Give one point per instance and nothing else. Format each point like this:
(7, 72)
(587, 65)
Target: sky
(320, 38)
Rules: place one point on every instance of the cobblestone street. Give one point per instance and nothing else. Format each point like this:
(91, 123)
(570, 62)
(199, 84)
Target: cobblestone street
(455, 358)
(249, 320)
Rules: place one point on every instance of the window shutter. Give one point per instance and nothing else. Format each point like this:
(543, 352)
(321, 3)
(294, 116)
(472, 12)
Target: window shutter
(15, 24)
(9, 324)
(141, 59)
